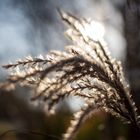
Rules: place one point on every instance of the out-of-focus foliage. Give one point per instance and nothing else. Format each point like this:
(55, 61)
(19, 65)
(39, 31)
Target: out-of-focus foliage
(16, 114)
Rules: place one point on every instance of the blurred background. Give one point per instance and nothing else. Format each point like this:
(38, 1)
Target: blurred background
(33, 27)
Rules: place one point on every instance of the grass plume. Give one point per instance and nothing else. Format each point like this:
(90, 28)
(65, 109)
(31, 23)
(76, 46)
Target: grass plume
(85, 69)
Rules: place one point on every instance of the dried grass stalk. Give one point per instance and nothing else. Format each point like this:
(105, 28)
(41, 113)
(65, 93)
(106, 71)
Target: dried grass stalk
(86, 69)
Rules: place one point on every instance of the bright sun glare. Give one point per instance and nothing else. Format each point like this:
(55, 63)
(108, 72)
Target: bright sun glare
(95, 30)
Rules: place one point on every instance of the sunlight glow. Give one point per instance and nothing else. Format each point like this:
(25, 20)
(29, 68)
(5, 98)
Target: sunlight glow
(95, 30)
